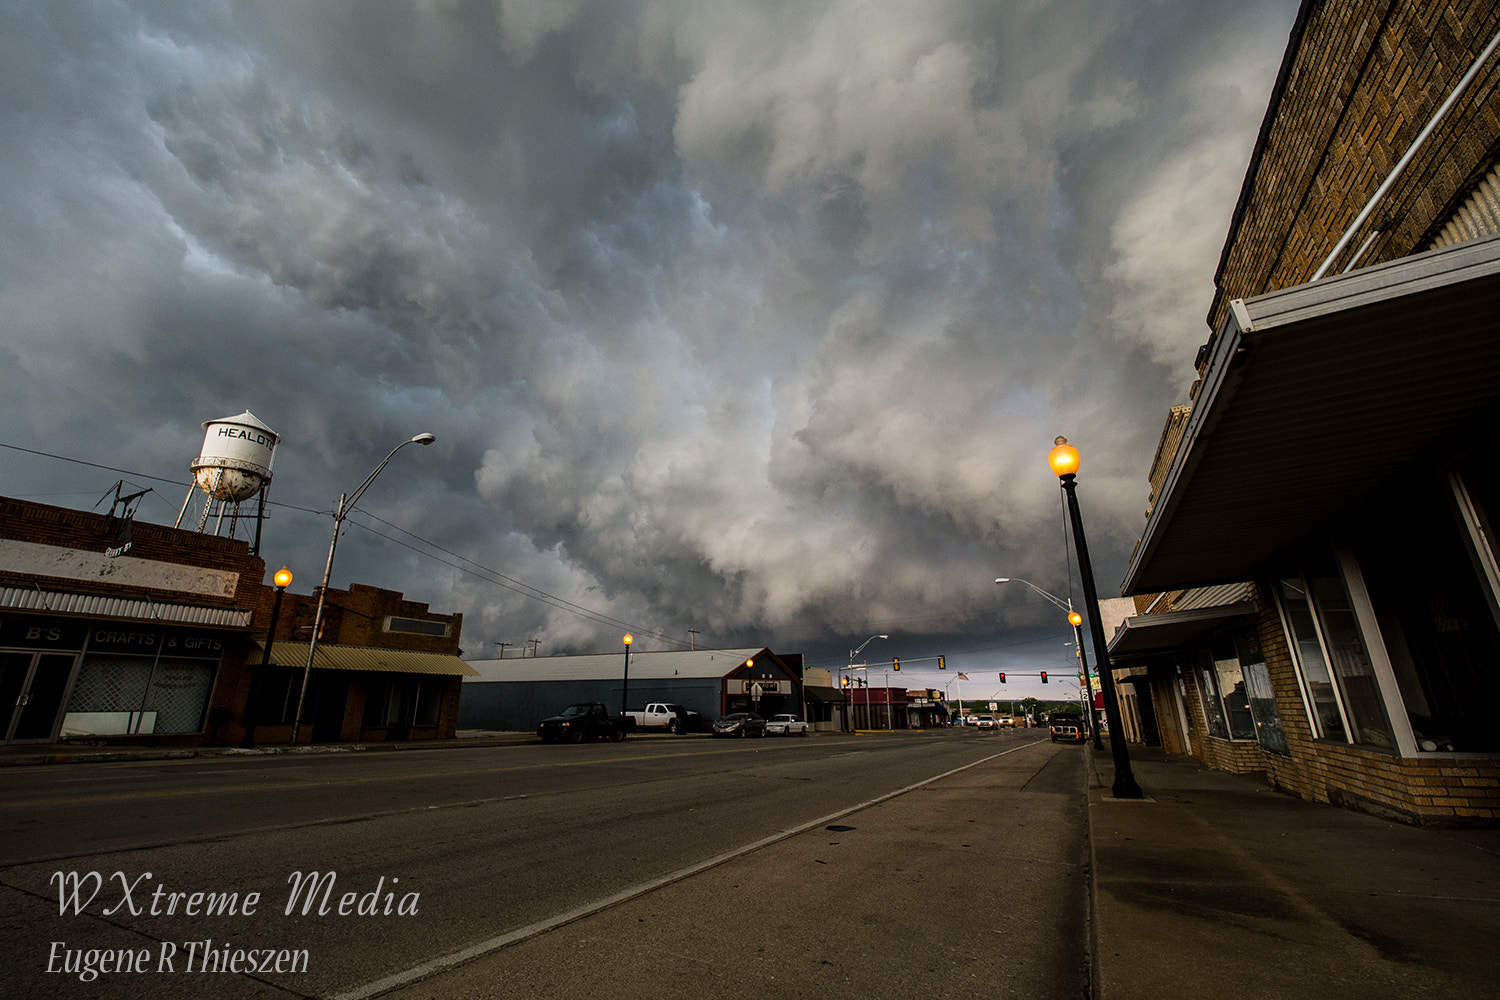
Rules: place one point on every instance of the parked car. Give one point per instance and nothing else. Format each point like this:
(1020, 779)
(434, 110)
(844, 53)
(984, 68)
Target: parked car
(740, 724)
(588, 720)
(785, 725)
(987, 722)
(1066, 729)
(664, 715)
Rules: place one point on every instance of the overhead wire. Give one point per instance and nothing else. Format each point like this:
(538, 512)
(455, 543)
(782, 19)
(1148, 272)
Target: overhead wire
(477, 570)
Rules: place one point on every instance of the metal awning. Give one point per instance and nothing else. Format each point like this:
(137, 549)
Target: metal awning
(127, 608)
(1315, 395)
(823, 694)
(394, 661)
(1142, 635)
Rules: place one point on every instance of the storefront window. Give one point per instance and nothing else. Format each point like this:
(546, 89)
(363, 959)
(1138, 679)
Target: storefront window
(1262, 697)
(121, 691)
(1327, 720)
(1350, 659)
(1226, 700)
(179, 694)
(1232, 690)
(1437, 626)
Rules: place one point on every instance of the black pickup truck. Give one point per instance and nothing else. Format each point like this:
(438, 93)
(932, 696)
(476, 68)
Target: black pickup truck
(589, 720)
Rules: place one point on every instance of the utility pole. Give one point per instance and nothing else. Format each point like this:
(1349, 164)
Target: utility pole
(694, 641)
(502, 646)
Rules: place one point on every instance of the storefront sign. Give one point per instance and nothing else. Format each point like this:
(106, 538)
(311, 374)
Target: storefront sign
(17, 632)
(123, 637)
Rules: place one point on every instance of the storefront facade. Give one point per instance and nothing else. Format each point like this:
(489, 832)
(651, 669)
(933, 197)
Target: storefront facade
(1317, 579)
(162, 642)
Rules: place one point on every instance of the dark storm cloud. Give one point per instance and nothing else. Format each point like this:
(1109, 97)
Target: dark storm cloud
(753, 318)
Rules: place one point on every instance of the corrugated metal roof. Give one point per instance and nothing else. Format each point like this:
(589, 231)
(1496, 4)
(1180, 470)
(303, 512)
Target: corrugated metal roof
(596, 666)
(394, 661)
(105, 606)
(1212, 597)
(1313, 397)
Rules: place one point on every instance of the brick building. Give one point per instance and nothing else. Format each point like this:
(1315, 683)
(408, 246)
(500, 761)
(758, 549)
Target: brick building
(1317, 583)
(127, 632)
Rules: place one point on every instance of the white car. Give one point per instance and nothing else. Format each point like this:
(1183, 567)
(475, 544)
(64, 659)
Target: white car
(785, 725)
(988, 722)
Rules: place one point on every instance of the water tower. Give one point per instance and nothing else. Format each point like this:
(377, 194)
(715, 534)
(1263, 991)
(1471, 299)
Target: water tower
(233, 466)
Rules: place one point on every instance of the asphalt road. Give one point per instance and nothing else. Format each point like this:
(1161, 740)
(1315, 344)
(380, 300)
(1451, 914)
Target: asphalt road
(945, 863)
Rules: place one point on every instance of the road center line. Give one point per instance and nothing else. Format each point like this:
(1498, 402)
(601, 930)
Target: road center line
(481, 948)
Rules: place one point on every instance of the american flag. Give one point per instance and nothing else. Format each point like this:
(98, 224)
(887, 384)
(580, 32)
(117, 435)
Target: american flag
(962, 676)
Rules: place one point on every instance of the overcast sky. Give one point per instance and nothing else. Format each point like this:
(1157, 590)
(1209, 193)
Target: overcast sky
(754, 318)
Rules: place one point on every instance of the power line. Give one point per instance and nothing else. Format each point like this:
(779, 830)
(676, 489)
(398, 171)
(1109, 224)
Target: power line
(478, 571)
(488, 575)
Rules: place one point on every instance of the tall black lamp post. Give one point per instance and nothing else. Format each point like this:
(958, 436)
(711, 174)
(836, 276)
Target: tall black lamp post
(625, 683)
(283, 580)
(1064, 459)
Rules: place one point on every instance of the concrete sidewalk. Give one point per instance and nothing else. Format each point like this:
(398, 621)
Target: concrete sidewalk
(1218, 886)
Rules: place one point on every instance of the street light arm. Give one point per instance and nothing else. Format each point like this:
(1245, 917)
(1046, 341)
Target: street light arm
(855, 652)
(1065, 605)
(423, 439)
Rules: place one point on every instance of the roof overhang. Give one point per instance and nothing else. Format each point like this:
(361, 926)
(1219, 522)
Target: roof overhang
(393, 661)
(1312, 397)
(1145, 635)
(825, 694)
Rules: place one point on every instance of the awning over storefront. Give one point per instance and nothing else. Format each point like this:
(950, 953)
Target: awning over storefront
(1144, 635)
(824, 694)
(107, 606)
(1315, 395)
(395, 661)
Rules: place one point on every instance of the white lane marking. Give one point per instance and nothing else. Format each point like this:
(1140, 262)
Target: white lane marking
(481, 948)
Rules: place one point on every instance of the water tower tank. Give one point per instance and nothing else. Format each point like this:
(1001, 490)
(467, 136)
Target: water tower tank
(236, 458)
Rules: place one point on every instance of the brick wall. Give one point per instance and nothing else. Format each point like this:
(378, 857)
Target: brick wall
(1368, 76)
(23, 520)
(357, 617)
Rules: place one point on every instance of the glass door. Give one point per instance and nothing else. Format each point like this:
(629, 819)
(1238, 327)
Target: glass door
(32, 686)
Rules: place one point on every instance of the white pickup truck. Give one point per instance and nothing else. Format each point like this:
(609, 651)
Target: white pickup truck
(657, 715)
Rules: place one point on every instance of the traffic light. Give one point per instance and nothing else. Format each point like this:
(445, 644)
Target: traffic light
(942, 663)
(1044, 676)
(844, 682)
(895, 663)
(1002, 677)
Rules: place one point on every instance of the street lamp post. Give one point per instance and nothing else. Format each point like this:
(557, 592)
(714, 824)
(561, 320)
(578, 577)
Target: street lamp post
(345, 505)
(1064, 460)
(625, 683)
(283, 580)
(1076, 620)
(852, 654)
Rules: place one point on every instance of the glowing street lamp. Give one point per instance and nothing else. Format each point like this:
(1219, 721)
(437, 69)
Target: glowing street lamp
(283, 580)
(625, 683)
(1064, 459)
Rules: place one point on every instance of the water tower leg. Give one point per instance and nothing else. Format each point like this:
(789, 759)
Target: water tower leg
(185, 501)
